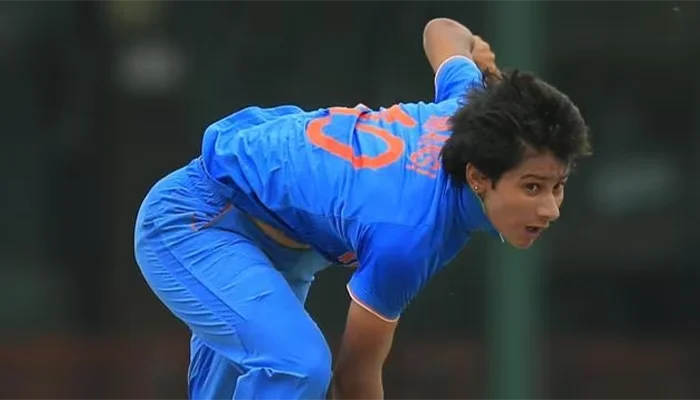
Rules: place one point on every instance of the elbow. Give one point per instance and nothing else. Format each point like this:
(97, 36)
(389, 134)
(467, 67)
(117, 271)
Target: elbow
(343, 372)
(443, 38)
(440, 27)
(441, 21)
(341, 383)
(348, 372)
(348, 382)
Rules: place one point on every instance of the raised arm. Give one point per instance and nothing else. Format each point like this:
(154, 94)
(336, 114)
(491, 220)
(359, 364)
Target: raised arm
(444, 38)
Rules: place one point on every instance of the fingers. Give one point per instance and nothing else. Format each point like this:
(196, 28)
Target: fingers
(484, 57)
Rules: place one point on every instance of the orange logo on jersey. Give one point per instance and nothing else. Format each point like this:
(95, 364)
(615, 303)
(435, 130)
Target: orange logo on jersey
(437, 124)
(348, 259)
(315, 132)
(426, 160)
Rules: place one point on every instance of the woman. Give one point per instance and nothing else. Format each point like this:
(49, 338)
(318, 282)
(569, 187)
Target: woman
(230, 243)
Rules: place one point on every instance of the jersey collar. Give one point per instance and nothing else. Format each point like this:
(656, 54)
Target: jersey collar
(473, 213)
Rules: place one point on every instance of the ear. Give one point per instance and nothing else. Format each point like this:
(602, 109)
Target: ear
(477, 180)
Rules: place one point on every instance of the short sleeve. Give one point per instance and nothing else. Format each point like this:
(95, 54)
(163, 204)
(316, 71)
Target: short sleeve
(394, 265)
(456, 76)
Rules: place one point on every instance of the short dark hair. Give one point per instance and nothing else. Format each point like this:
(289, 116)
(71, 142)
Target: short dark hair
(505, 117)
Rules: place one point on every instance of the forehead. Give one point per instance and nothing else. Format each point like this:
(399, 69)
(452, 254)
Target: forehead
(540, 166)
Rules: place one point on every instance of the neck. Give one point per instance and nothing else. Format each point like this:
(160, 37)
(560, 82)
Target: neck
(473, 212)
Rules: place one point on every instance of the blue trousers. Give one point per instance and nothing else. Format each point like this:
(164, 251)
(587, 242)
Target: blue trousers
(241, 294)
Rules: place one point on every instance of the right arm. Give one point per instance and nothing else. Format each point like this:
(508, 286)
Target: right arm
(457, 57)
(444, 38)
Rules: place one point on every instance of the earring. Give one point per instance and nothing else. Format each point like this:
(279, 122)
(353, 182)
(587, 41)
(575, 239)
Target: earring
(476, 187)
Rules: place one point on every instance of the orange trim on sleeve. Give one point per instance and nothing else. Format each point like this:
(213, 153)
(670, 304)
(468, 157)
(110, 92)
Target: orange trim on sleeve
(366, 307)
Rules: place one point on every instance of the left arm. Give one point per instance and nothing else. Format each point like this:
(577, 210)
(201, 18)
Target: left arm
(364, 348)
(388, 277)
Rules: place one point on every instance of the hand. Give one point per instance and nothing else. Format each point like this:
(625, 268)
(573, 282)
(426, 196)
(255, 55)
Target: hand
(485, 58)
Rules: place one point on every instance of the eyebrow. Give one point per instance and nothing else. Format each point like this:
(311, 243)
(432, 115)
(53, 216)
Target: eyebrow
(542, 177)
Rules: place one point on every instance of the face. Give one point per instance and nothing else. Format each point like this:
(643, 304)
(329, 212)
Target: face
(525, 200)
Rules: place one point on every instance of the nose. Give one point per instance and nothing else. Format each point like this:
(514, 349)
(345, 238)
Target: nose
(549, 209)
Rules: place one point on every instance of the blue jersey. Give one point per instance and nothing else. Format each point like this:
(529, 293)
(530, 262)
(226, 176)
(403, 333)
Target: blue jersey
(364, 188)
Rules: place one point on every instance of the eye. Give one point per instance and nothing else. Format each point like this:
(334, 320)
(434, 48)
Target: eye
(532, 188)
(559, 187)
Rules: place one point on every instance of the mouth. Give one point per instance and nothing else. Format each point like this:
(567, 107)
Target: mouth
(534, 231)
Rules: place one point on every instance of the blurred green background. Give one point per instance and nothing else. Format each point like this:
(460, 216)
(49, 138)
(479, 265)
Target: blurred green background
(100, 99)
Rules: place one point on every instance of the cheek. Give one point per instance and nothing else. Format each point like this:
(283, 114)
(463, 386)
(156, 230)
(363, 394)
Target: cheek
(505, 208)
(513, 208)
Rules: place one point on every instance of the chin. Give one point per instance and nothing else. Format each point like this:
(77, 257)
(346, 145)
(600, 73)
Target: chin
(521, 244)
